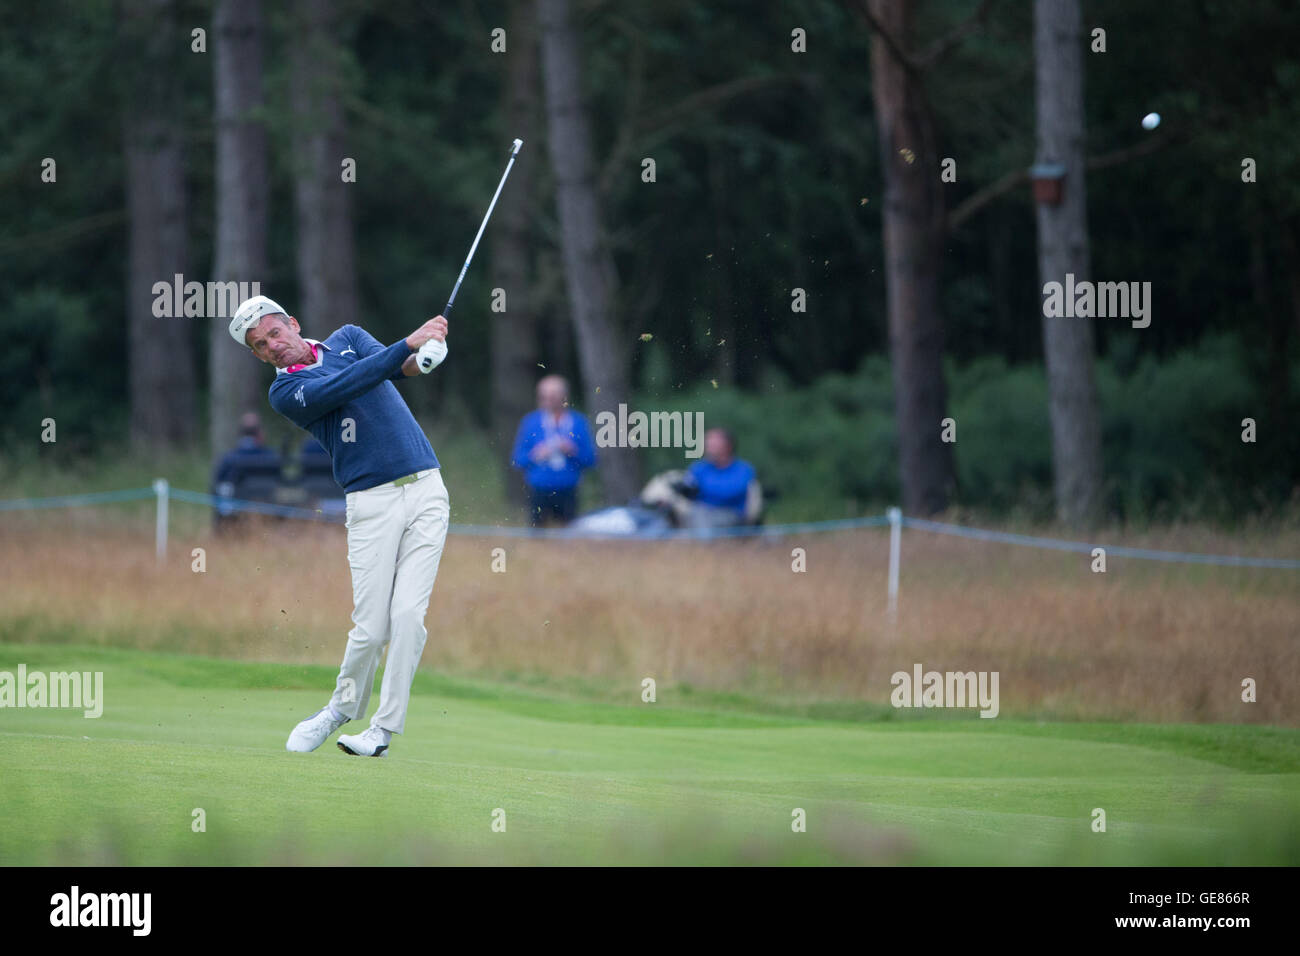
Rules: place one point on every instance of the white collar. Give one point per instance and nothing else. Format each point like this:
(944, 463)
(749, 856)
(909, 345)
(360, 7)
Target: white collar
(320, 358)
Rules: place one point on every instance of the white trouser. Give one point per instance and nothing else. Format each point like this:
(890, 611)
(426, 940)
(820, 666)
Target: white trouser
(395, 539)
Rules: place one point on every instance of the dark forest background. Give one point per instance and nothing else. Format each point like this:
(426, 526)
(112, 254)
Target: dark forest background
(770, 176)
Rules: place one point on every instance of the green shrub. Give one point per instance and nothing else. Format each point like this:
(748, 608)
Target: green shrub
(1171, 434)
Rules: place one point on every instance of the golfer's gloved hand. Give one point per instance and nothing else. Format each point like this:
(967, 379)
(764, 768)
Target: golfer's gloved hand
(430, 355)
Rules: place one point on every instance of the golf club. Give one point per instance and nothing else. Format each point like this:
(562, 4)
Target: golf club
(425, 361)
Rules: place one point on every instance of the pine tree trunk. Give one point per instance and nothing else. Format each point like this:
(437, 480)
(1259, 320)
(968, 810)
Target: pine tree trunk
(603, 347)
(1062, 249)
(238, 381)
(160, 358)
(914, 234)
(327, 269)
(514, 331)
(724, 296)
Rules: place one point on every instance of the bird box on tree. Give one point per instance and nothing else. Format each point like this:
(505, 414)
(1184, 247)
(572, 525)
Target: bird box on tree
(1049, 183)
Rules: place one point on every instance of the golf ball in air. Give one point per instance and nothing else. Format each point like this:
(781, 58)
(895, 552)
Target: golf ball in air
(1151, 121)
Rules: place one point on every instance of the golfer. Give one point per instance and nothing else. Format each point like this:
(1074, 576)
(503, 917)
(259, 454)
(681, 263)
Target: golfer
(341, 391)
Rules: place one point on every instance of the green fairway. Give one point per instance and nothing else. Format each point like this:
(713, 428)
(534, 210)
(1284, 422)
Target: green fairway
(583, 780)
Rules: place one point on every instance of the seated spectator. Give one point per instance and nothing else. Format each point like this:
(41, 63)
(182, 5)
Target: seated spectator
(725, 488)
(249, 471)
(552, 448)
(316, 478)
(313, 457)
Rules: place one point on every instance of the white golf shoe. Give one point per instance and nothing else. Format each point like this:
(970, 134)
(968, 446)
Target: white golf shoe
(371, 742)
(314, 731)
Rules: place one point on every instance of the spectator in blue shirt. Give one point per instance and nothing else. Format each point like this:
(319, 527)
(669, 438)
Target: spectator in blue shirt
(726, 488)
(552, 448)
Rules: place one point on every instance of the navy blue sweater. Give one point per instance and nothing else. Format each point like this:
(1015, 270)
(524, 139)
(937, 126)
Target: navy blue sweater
(349, 393)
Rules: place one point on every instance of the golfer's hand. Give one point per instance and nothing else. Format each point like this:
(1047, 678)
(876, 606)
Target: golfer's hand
(430, 355)
(433, 330)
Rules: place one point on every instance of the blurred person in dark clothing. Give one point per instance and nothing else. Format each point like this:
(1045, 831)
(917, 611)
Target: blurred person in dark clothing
(316, 478)
(248, 471)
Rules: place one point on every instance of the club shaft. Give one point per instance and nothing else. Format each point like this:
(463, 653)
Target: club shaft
(482, 226)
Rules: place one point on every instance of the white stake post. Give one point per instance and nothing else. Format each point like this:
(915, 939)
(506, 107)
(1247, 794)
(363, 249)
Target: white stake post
(895, 541)
(160, 527)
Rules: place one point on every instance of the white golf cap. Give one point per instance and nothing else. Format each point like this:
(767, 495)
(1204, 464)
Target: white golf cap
(249, 314)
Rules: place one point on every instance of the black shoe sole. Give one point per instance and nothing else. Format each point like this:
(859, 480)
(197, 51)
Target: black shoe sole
(378, 753)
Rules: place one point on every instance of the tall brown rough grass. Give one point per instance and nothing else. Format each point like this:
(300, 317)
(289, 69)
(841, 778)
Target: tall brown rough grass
(1142, 641)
